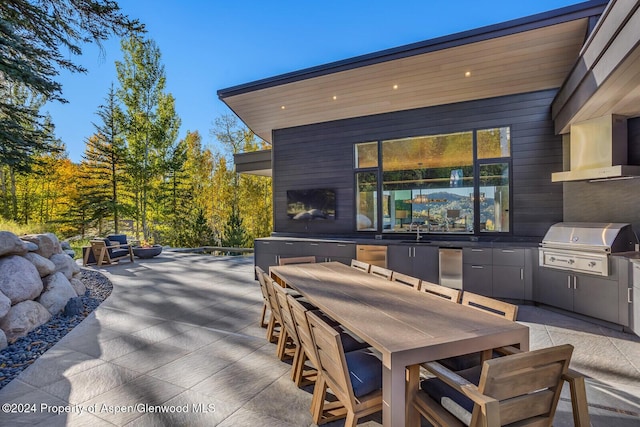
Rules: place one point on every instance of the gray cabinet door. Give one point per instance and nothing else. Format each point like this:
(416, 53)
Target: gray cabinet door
(425, 263)
(508, 282)
(477, 279)
(554, 287)
(478, 256)
(400, 258)
(265, 254)
(596, 297)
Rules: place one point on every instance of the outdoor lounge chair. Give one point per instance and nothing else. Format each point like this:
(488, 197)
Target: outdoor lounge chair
(107, 253)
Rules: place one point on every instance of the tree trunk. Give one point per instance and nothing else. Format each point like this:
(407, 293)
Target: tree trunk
(14, 198)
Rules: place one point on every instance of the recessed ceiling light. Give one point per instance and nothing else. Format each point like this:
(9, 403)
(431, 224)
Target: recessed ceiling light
(282, 107)
(467, 74)
(335, 97)
(395, 87)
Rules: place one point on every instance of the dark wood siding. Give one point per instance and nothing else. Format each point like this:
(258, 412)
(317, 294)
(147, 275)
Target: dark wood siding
(321, 156)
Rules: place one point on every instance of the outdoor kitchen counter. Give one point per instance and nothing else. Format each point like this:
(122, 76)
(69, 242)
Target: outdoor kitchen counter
(426, 240)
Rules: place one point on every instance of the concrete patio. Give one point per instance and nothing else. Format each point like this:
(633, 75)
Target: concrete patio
(181, 332)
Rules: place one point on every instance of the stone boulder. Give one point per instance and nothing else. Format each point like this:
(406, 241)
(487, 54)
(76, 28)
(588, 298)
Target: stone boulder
(65, 264)
(48, 244)
(44, 266)
(3, 340)
(78, 286)
(10, 244)
(5, 305)
(74, 307)
(23, 318)
(31, 247)
(19, 279)
(57, 291)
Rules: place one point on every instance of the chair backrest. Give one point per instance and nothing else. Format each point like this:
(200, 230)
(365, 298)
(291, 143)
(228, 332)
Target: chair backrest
(385, 273)
(260, 274)
(490, 305)
(297, 260)
(441, 291)
(273, 301)
(118, 238)
(406, 280)
(331, 358)
(360, 265)
(285, 313)
(299, 316)
(527, 385)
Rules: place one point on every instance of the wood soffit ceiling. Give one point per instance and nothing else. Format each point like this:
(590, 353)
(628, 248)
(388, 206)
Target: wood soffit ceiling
(527, 61)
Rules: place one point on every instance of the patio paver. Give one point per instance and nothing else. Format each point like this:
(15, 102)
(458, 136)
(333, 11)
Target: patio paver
(181, 331)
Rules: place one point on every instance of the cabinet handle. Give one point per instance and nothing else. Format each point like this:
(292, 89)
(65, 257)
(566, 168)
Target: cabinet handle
(288, 243)
(522, 274)
(414, 252)
(568, 282)
(313, 244)
(409, 252)
(507, 251)
(575, 282)
(341, 245)
(477, 266)
(477, 250)
(629, 295)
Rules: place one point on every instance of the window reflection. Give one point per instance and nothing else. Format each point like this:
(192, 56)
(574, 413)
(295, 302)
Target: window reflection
(367, 201)
(494, 197)
(426, 181)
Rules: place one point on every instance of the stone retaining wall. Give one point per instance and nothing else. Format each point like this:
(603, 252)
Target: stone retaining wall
(37, 280)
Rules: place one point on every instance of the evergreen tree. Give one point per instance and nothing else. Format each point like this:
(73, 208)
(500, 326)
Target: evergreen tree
(235, 235)
(105, 160)
(36, 38)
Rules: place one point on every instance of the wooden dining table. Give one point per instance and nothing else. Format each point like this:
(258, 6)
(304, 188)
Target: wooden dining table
(405, 326)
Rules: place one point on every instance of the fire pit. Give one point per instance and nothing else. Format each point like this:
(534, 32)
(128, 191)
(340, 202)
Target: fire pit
(147, 252)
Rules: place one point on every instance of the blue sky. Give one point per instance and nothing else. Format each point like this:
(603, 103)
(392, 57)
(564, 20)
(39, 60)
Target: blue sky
(215, 44)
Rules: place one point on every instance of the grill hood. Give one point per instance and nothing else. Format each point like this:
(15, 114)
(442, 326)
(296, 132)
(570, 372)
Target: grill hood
(591, 236)
(598, 151)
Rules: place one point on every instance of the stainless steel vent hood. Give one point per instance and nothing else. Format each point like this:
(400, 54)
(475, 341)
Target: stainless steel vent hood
(598, 151)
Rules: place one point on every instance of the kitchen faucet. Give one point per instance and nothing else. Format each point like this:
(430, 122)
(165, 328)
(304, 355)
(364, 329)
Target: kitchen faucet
(418, 236)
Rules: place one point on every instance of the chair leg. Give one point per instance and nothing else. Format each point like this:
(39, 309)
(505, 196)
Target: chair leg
(263, 324)
(351, 420)
(271, 337)
(281, 350)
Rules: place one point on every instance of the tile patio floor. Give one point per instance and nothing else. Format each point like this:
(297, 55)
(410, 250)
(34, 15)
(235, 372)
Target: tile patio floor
(182, 329)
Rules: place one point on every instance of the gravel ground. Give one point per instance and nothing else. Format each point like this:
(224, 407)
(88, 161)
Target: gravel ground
(24, 351)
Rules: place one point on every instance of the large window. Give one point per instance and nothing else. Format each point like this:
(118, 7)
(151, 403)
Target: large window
(451, 183)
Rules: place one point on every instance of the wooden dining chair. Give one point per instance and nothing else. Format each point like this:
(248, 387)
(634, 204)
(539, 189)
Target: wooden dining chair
(360, 265)
(450, 294)
(355, 378)
(490, 305)
(385, 273)
(406, 280)
(522, 389)
(487, 305)
(265, 296)
(289, 334)
(274, 327)
(297, 260)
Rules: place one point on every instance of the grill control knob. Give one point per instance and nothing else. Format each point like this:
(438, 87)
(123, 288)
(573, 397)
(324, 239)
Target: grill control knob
(592, 264)
(571, 261)
(552, 259)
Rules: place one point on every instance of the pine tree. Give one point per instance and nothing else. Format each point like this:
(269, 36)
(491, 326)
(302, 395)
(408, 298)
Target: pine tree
(37, 38)
(235, 235)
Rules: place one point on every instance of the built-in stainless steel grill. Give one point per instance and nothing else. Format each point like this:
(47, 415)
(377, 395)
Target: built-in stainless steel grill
(585, 247)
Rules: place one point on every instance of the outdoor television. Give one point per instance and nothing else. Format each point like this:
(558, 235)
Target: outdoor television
(311, 204)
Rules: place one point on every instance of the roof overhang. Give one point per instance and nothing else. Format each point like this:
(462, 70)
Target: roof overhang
(606, 78)
(519, 56)
(253, 162)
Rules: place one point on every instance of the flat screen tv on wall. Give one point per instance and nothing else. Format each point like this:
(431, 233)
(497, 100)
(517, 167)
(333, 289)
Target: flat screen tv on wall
(311, 204)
